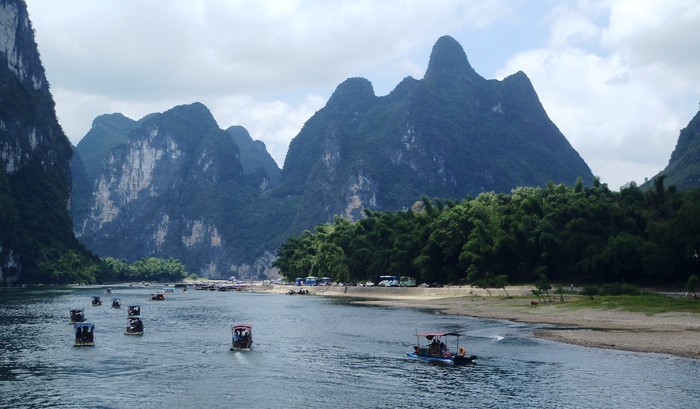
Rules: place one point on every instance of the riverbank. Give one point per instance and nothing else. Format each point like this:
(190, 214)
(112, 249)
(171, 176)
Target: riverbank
(675, 333)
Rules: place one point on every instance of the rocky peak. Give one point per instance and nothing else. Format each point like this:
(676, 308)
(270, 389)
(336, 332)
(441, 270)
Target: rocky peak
(17, 44)
(448, 63)
(352, 95)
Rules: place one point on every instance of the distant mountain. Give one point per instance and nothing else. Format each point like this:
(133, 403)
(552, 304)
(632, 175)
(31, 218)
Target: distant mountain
(683, 168)
(35, 157)
(254, 155)
(174, 185)
(449, 135)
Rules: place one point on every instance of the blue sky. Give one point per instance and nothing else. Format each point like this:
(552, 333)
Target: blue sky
(620, 78)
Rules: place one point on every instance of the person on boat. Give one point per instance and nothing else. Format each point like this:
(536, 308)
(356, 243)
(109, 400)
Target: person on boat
(434, 348)
(416, 349)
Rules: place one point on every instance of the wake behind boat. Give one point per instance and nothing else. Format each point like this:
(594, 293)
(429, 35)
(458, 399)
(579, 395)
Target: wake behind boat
(438, 351)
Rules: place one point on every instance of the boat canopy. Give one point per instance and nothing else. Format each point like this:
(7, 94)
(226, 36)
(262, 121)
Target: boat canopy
(84, 325)
(241, 326)
(431, 335)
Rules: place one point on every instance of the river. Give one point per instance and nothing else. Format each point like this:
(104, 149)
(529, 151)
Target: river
(309, 352)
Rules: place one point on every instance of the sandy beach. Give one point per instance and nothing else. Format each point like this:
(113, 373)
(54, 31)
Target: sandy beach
(671, 333)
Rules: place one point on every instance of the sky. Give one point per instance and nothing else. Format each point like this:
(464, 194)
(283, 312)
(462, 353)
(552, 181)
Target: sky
(620, 78)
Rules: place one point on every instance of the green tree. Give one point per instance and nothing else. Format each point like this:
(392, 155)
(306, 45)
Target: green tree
(501, 281)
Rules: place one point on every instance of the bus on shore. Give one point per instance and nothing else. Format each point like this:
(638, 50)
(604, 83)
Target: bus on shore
(388, 281)
(407, 282)
(311, 280)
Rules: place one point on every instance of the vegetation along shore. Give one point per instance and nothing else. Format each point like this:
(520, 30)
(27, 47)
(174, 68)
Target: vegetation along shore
(642, 323)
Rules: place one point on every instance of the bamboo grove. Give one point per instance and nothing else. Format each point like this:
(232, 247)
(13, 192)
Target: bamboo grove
(582, 235)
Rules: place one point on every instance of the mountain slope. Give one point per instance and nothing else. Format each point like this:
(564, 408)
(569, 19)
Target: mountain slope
(683, 168)
(451, 134)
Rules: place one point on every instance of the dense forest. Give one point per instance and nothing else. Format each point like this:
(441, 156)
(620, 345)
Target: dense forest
(70, 267)
(582, 235)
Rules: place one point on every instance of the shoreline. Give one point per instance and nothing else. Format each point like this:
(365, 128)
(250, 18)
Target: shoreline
(673, 333)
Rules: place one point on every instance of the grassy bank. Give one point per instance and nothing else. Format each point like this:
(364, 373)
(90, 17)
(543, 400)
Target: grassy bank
(647, 304)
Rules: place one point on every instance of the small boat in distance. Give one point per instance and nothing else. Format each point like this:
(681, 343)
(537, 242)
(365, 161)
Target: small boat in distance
(159, 296)
(134, 326)
(96, 300)
(116, 303)
(84, 334)
(108, 291)
(438, 351)
(242, 337)
(77, 316)
(133, 311)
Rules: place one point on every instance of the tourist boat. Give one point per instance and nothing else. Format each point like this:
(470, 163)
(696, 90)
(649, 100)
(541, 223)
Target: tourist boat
(133, 311)
(438, 351)
(168, 289)
(242, 337)
(77, 316)
(84, 334)
(96, 300)
(159, 296)
(134, 326)
(108, 291)
(116, 303)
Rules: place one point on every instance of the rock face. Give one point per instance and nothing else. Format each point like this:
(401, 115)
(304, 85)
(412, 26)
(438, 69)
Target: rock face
(35, 155)
(169, 185)
(683, 168)
(449, 135)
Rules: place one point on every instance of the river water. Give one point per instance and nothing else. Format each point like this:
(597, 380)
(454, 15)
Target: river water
(309, 352)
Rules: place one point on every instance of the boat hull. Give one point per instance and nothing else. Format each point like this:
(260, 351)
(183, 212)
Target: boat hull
(456, 360)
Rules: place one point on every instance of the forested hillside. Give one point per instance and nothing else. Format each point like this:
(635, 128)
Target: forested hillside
(570, 234)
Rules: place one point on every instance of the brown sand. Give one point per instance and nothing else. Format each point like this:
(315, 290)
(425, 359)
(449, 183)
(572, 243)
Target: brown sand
(671, 333)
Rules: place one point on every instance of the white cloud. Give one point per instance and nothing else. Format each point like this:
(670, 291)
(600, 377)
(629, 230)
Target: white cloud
(267, 64)
(619, 105)
(619, 77)
(274, 122)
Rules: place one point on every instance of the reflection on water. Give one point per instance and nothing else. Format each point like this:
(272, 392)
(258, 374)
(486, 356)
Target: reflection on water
(309, 352)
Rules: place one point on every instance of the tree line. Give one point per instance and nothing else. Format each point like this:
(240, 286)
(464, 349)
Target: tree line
(579, 234)
(71, 267)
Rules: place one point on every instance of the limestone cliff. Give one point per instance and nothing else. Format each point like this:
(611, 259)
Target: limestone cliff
(169, 185)
(35, 155)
